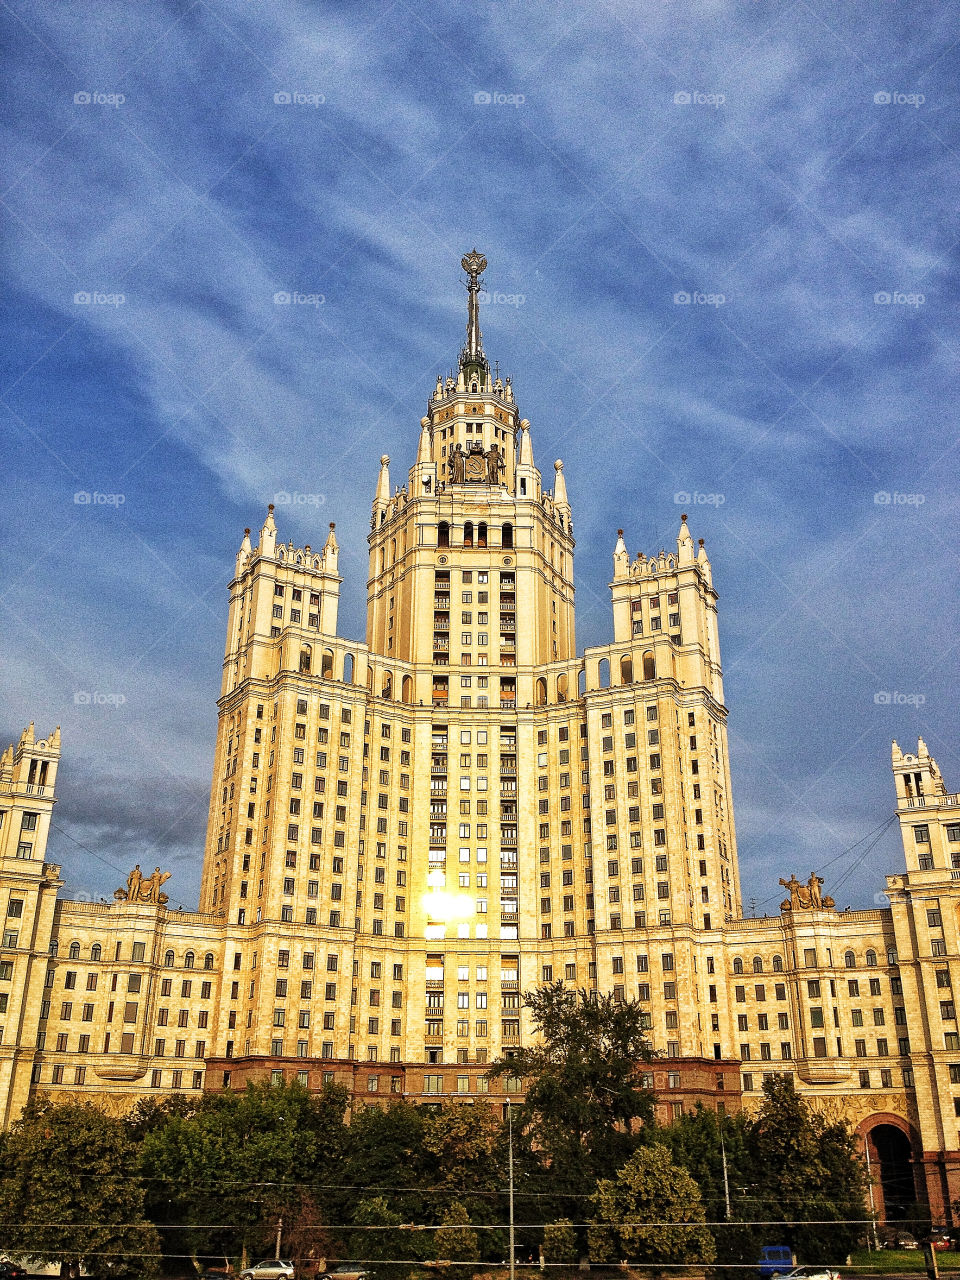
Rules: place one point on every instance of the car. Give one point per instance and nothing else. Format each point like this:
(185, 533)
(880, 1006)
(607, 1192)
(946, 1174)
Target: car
(811, 1273)
(347, 1271)
(939, 1240)
(269, 1269)
(775, 1259)
(904, 1241)
(11, 1270)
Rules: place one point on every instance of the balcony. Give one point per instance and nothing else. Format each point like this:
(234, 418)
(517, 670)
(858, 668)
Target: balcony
(510, 703)
(440, 624)
(509, 917)
(441, 602)
(508, 771)
(441, 642)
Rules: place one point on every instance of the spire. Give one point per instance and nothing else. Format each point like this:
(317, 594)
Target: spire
(896, 754)
(526, 445)
(268, 534)
(621, 557)
(243, 555)
(560, 485)
(423, 448)
(331, 549)
(28, 737)
(703, 562)
(383, 481)
(474, 264)
(684, 543)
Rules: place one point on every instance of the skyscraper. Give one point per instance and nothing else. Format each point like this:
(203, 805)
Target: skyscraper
(408, 833)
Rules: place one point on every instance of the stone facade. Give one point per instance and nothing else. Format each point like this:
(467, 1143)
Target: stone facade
(407, 833)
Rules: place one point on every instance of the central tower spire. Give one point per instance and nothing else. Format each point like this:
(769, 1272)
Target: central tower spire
(472, 359)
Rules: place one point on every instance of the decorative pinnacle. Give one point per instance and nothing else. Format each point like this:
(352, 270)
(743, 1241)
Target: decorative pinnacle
(474, 264)
(684, 516)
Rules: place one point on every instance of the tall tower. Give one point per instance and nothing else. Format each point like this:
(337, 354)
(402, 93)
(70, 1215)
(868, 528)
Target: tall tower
(474, 503)
(408, 833)
(28, 900)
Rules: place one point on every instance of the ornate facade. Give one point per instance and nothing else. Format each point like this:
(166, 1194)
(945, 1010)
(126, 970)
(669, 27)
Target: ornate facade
(405, 834)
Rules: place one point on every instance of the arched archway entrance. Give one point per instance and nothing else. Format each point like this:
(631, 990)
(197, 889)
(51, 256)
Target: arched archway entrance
(892, 1152)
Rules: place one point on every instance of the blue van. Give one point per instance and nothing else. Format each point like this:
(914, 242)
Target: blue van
(775, 1260)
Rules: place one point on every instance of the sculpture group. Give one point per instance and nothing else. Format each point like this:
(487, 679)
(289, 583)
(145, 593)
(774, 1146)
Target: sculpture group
(141, 888)
(805, 897)
(475, 465)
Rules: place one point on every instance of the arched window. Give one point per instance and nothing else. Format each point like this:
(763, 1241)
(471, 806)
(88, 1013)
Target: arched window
(892, 957)
(306, 655)
(188, 960)
(208, 960)
(649, 667)
(348, 668)
(738, 965)
(778, 964)
(468, 534)
(387, 691)
(393, 551)
(443, 534)
(168, 959)
(603, 673)
(326, 664)
(523, 488)
(506, 535)
(581, 682)
(626, 669)
(74, 953)
(562, 687)
(541, 692)
(406, 689)
(871, 959)
(96, 951)
(758, 964)
(849, 959)
(481, 534)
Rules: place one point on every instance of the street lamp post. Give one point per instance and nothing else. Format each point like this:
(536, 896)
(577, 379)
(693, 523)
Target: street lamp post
(510, 1170)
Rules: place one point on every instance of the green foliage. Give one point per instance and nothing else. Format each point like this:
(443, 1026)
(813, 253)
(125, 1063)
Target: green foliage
(69, 1179)
(650, 1189)
(241, 1158)
(806, 1168)
(582, 1090)
(382, 1247)
(456, 1241)
(560, 1241)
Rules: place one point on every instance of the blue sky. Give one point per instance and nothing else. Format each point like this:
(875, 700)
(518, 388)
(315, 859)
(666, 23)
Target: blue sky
(791, 167)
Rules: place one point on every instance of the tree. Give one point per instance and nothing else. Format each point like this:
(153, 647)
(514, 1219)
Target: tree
(369, 1243)
(701, 1141)
(560, 1241)
(583, 1095)
(650, 1189)
(244, 1158)
(456, 1241)
(806, 1170)
(69, 1180)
